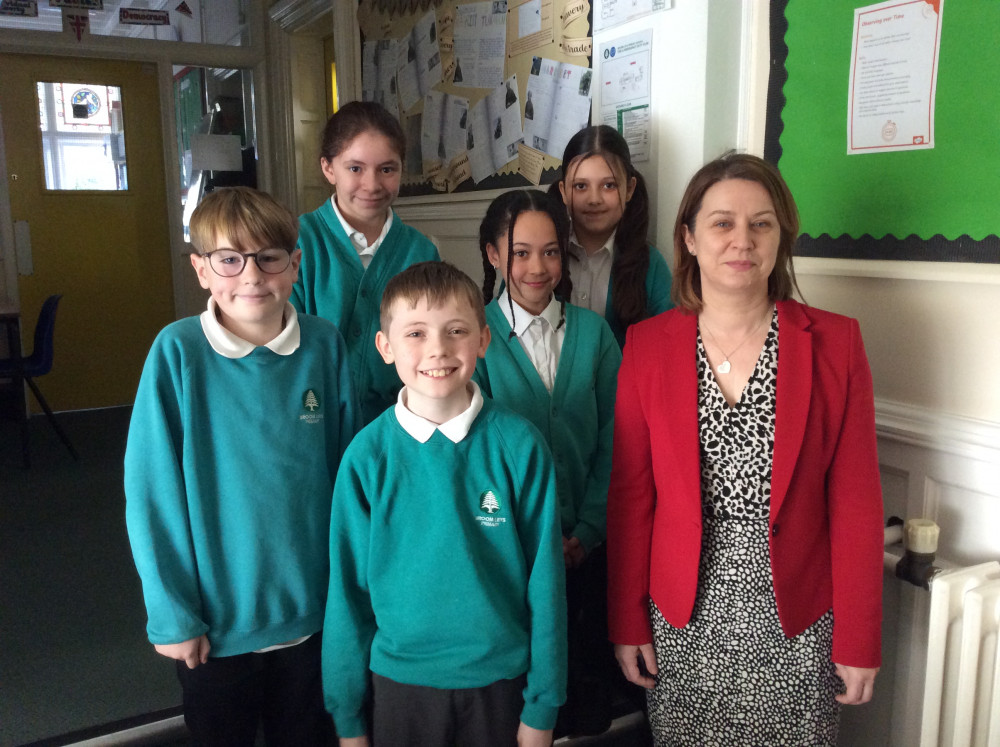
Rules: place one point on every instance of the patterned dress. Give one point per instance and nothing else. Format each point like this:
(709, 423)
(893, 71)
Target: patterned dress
(731, 676)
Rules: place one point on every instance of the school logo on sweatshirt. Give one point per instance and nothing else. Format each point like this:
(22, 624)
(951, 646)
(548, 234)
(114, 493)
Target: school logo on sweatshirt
(489, 504)
(311, 406)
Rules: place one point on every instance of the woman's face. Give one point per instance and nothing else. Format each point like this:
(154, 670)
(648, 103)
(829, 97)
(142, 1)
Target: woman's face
(536, 267)
(735, 238)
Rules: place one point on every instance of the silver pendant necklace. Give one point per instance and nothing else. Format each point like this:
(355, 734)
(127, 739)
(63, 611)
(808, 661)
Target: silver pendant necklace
(725, 367)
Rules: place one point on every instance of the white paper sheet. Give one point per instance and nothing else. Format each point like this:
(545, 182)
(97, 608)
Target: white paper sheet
(379, 60)
(625, 85)
(444, 126)
(529, 18)
(558, 100)
(428, 56)
(608, 13)
(480, 44)
(495, 127)
(893, 80)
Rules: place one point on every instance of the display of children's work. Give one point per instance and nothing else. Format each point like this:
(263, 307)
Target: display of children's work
(494, 130)
(480, 44)
(557, 104)
(477, 84)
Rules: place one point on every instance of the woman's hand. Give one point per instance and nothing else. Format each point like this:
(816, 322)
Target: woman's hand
(628, 659)
(192, 652)
(860, 684)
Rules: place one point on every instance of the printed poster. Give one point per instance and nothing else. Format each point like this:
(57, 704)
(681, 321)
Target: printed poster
(893, 77)
(626, 86)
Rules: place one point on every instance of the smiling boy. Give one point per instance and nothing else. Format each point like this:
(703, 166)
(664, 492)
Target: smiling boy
(239, 424)
(447, 577)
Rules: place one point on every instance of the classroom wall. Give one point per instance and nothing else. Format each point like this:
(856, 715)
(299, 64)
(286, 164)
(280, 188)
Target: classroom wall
(930, 334)
(929, 328)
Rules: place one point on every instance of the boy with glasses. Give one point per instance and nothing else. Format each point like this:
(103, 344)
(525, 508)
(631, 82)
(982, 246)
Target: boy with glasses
(240, 421)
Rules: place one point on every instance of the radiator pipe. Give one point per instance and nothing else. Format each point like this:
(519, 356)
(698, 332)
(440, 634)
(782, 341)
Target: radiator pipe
(893, 531)
(920, 538)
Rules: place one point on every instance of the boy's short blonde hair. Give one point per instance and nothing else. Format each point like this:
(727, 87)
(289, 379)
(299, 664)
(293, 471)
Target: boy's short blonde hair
(247, 218)
(438, 282)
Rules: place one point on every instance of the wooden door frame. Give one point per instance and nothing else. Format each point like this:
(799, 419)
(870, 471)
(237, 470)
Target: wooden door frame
(163, 55)
(9, 294)
(290, 17)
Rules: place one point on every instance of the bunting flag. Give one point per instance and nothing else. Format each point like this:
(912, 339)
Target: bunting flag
(76, 22)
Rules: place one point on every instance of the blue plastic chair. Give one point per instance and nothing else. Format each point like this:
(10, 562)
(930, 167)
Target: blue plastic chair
(38, 364)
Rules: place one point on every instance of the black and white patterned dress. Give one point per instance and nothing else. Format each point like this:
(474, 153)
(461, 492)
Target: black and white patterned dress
(731, 676)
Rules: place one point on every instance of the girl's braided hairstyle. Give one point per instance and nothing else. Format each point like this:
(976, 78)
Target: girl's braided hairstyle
(501, 216)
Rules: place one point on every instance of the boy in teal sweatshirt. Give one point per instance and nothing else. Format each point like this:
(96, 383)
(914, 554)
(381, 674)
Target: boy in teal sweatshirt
(240, 421)
(447, 577)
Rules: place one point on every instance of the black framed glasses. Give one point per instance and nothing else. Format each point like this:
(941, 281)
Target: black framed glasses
(229, 263)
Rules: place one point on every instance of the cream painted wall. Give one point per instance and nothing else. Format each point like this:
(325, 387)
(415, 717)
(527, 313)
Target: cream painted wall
(931, 341)
(698, 94)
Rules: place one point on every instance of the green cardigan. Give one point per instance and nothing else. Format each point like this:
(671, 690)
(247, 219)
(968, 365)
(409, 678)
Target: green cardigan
(334, 284)
(576, 419)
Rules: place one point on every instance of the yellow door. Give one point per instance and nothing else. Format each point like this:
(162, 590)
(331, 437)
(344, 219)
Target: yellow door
(107, 253)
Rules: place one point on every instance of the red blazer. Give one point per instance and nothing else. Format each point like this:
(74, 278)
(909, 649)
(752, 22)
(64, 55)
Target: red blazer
(826, 501)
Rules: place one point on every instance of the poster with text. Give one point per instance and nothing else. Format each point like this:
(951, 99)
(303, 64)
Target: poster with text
(893, 79)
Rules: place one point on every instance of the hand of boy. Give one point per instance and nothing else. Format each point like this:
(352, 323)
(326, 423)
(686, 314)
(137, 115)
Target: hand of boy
(573, 552)
(192, 652)
(529, 737)
(361, 741)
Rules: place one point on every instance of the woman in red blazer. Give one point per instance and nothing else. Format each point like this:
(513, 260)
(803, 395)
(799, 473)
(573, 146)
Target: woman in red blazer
(744, 513)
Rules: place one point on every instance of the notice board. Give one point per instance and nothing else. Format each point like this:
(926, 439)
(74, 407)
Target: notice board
(486, 91)
(940, 204)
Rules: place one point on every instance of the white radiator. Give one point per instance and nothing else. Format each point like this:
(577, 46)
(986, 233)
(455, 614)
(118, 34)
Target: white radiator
(961, 700)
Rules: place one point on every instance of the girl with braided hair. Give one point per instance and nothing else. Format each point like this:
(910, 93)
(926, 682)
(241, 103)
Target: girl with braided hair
(556, 364)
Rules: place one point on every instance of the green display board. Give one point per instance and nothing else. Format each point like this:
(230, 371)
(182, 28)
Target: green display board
(940, 204)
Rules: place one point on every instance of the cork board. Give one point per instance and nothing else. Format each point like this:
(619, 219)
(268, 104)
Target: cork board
(422, 34)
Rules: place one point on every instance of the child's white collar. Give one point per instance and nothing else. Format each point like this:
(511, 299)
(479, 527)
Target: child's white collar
(578, 252)
(522, 317)
(358, 237)
(225, 343)
(455, 429)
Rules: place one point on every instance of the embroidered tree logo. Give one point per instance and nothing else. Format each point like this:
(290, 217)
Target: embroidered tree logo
(489, 502)
(310, 401)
